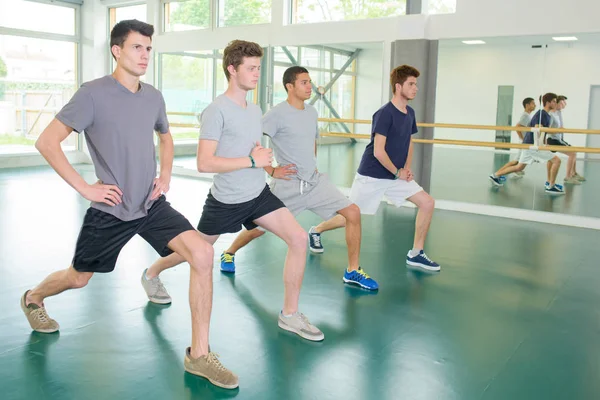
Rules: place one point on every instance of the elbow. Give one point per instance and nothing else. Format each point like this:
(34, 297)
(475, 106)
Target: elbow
(203, 165)
(41, 145)
(377, 154)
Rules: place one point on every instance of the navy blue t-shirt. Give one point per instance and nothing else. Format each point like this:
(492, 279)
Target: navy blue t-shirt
(539, 118)
(397, 127)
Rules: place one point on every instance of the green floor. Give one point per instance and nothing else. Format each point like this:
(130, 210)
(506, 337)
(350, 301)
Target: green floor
(513, 314)
(462, 175)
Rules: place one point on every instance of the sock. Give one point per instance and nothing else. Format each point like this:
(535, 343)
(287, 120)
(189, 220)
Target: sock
(414, 252)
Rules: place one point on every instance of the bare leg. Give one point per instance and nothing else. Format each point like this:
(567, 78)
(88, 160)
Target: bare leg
(555, 162)
(163, 263)
(197, 250)
(349, 217)
(243, 239)
(283, 224)
(57, 282)
(509, 169)
(426, 205)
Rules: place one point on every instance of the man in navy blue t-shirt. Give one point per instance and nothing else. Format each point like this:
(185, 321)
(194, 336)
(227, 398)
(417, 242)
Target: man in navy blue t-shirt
(385, 165)
(540, 118)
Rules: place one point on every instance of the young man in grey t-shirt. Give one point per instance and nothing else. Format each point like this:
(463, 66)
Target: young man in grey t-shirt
(528, 108)
(293, 128)
(119, 114)
(229, 145)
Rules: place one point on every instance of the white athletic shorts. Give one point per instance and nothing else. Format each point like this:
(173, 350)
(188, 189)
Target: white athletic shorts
(531, 156)
(368, 192)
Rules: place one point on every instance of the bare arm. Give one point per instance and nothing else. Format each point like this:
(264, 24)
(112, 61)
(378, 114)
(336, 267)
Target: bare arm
(48, 144)
(207, 161)
(408, 162)
(382, 156)
(166, 153)
(519, 132)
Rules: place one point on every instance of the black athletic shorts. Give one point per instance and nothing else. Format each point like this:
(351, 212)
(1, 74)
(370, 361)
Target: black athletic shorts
(555, 142)
(218, 218)
(103, 235)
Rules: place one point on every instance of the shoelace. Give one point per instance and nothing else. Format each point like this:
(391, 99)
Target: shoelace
(317, 239)
(41, 315)
(425, 257)
(213, 358)
(228, 258)
(363, 273)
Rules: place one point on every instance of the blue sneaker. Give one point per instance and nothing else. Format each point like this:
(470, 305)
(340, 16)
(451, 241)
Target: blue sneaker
(555, 190)
(502, 179)
(496, 181)
(314, 241)
(421, 260)
(228, 262)
(547, 185)
(360, 278)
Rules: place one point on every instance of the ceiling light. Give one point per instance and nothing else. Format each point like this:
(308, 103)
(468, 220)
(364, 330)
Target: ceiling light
(473, 42)
(565, 38)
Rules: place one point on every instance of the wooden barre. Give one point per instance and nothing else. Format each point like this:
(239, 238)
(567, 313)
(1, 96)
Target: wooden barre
(474, 143)
(431, 125)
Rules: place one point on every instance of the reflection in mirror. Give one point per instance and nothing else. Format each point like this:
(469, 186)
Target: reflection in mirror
(507, 82)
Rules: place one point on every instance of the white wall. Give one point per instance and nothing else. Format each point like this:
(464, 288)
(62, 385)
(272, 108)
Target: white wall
(469, 76)
(368, 85)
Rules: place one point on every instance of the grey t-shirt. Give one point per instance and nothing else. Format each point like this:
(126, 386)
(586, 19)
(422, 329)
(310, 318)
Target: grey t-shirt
(293, 133)
(119, 129)
(237, 129)
(524, 120)
(556, 123)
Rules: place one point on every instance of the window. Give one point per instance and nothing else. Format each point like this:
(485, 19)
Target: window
(442, 6)
(307, 11)
(244, 12)
(186, 15)
(187, 86)
(37, 78)
(27, 15)
(119, 14)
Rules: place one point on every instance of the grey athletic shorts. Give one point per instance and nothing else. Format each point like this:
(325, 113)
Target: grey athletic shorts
(321, 197)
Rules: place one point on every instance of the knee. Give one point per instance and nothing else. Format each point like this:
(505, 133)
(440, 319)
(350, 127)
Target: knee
(80, 279)
(428, 204)
(557, 161)
(298, 238)
(202, 256)
(520, 167)
(352, 215)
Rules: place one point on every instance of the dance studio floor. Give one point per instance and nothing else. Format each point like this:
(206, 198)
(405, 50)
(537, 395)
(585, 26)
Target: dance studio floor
(513, 314)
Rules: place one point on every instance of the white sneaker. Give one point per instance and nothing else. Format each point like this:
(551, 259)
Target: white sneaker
(300, 325)
(155, 290)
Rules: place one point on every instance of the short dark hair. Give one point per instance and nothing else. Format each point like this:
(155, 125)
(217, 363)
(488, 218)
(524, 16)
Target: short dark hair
(401, 74)
(526, 101)
(121, 30)
(290, 75)
(548, 97)
(235, 52)
(561, 98)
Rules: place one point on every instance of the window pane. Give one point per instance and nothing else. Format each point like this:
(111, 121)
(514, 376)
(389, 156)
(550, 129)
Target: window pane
(442, 6)
(280, 56)
(311, 58)
(37, 77)
(187, 15)
(279, 93)
(244, 12)
(20, 14)
(187, 86)
(306, 11)
(129, 12)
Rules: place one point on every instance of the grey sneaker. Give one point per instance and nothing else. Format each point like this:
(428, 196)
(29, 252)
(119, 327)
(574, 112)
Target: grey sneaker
(155, 290)
(210, 367)
(300, 325)
(38, 317)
